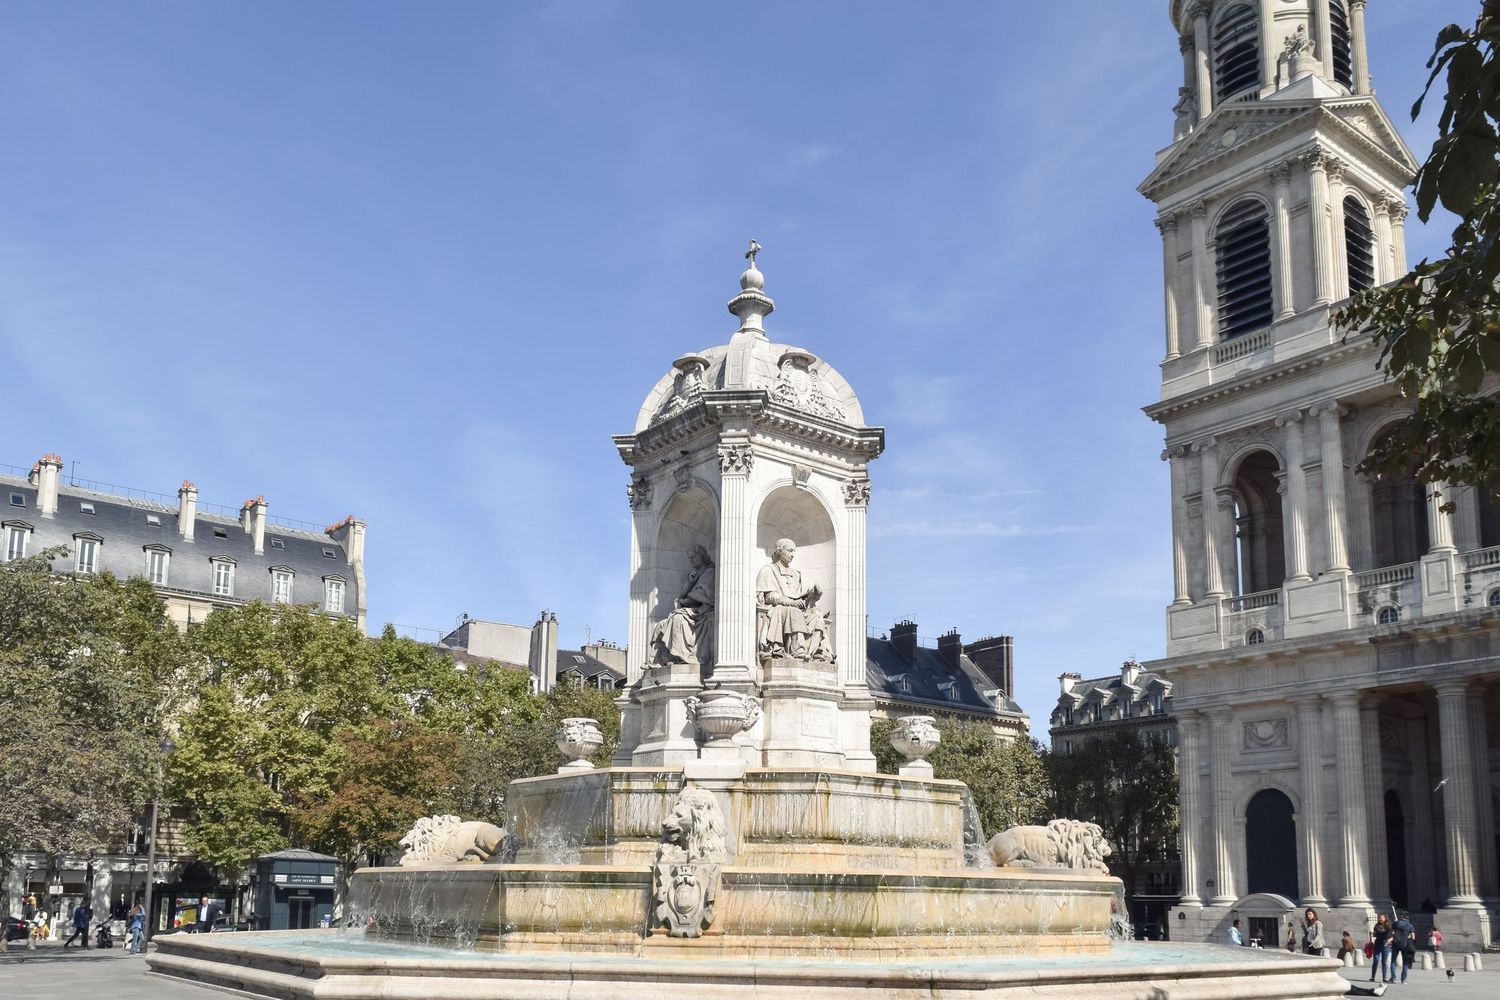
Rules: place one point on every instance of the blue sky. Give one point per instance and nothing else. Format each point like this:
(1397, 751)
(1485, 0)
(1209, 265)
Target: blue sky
(419, 261)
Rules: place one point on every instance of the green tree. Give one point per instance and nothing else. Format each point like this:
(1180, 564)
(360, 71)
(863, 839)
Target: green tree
(1128, 785)
(389, 775)
(1438, 328)
(90, 670)
(1007, 778)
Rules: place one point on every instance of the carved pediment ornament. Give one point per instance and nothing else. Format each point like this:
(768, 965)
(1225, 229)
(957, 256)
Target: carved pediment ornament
(799, 384)
(1265, 734)
(736, 459)
(638, 493)
(857, 493)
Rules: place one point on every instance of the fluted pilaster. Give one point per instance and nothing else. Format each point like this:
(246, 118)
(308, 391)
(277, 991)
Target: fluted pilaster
(1225, 892)
(1181, 582)
(1353, 817)
(1374, 772)
(1310, 822)
(1213, 578)
(1190, 805)
(1296, 496)
(1460, 824)
(1167, 225)
(1484, 809)
(1335, 503)
(1282, 273)
(1317, 172)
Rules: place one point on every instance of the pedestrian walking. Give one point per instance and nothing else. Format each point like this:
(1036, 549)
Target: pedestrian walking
(136, 922)
(1381, 955)
(1235, 937)
(1435, 940)
(1312, 933)
(206, 916)
(83, 915)
(1404, 941)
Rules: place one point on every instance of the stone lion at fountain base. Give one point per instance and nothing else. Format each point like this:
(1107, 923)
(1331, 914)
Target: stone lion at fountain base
(448, 839)
(1062, 843)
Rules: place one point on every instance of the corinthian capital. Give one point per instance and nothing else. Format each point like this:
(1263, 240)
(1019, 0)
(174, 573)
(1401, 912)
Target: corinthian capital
(857, 493)
(735, 459)
(1166, 223)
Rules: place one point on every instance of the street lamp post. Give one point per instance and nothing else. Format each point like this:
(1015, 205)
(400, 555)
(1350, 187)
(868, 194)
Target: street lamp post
(166, 746)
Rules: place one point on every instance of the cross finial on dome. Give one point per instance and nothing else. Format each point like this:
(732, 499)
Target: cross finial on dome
(752, 305)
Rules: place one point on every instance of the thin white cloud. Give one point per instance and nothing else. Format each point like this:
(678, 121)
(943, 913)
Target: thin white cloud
(970, 527)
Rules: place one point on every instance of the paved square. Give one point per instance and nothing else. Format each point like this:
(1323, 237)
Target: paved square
(50, 973)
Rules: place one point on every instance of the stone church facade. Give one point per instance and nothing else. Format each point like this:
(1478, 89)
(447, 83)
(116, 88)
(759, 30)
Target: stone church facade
(1333, 641)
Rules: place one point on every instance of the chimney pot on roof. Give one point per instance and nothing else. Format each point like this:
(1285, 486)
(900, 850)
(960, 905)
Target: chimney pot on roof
(951, 646)
(995, 657)
(904, 638)
(253, 520)
(187, 510)
(1130, 670)
(48, 477)
(1066, 681)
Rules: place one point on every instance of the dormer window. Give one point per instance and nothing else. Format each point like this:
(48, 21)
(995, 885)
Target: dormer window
(281, 585)
(18, 499)
(157, 559)
(17, 534)
(223, 577)
(1236, 47)
(86, 553)
(333, 595)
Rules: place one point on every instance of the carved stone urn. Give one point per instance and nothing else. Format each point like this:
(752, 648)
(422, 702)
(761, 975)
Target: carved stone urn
(723, 715)
(914, 737)
(577, 740)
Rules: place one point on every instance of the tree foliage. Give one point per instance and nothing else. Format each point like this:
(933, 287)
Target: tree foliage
(1128, 785)
(1007, 779)
(1438, 328)
(309, 733)
(91, 671)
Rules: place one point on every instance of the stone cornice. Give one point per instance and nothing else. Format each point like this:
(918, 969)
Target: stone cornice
(1177, 405)
(717, 407)
(1318, 116)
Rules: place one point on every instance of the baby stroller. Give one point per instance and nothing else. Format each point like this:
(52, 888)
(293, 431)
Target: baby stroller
(104, 937)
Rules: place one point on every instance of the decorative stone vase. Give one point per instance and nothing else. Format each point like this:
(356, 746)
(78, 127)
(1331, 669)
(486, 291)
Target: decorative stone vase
(914, 737)
(723, 715)
(577, 740)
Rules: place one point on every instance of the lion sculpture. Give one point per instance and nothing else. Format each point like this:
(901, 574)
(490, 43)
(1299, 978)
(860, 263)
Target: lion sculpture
(1062, 843)
(694, 829)
(436, 840)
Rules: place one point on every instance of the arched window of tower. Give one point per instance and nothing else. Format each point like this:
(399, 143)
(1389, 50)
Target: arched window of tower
(1343, 59)
(1261, 549)
(1244, 244)
(1398, 520)
(1236, 52)
(1359, 241)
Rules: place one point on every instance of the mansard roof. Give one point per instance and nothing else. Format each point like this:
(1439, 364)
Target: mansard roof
(930, 679)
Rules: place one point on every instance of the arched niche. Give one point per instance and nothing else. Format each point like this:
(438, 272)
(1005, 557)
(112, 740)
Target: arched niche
(789, 512)
(690, 518)
(1271, 844)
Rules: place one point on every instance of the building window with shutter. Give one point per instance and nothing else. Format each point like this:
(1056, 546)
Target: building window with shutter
(1244, 244)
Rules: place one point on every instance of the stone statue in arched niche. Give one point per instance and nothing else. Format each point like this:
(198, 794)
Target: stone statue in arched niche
(686, 634)
(788, 622)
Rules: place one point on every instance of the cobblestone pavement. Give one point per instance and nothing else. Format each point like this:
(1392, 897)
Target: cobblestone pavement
(50, 973)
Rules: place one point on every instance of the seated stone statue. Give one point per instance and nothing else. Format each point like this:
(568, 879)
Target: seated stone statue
(686, 635)
(787, 620)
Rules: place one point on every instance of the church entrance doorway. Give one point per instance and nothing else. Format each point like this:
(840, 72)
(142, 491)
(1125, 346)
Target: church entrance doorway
(1395, 849)
(1271, 844)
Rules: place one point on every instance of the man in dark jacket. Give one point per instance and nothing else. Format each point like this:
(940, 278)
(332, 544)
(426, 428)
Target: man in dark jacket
(1404, 942)
(83, 914)
(207, 914)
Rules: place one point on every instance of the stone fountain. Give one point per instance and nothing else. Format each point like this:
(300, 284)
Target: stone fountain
(741, 842)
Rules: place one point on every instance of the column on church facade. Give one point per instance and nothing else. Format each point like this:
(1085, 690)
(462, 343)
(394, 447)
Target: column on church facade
(1385, 254)
(1295, 515)
(1460, 824)
(856, 515)
(1322, 31)
(1353, 820)
(1200, 59)
(1374, 771)
(1398, 237)
(1213, 577)
(1484, 823)
(1223, 814)
(1357, 45)
(1181, 580)
(1422, 852)
(1189, 805)
(1269, 49)
(1190, 76)
(1167, 225)
(640, 588)
(1439, 521)
(1317, 205)
(1286, 303)
(1310, 822)
(1336, 192)
(1335, 503)
(1204, 280)
(735, 630)
(1228, 548)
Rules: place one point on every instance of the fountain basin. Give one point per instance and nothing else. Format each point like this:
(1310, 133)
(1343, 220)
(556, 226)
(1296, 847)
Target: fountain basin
(776, 818)
(303, 965)
(760, 912)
